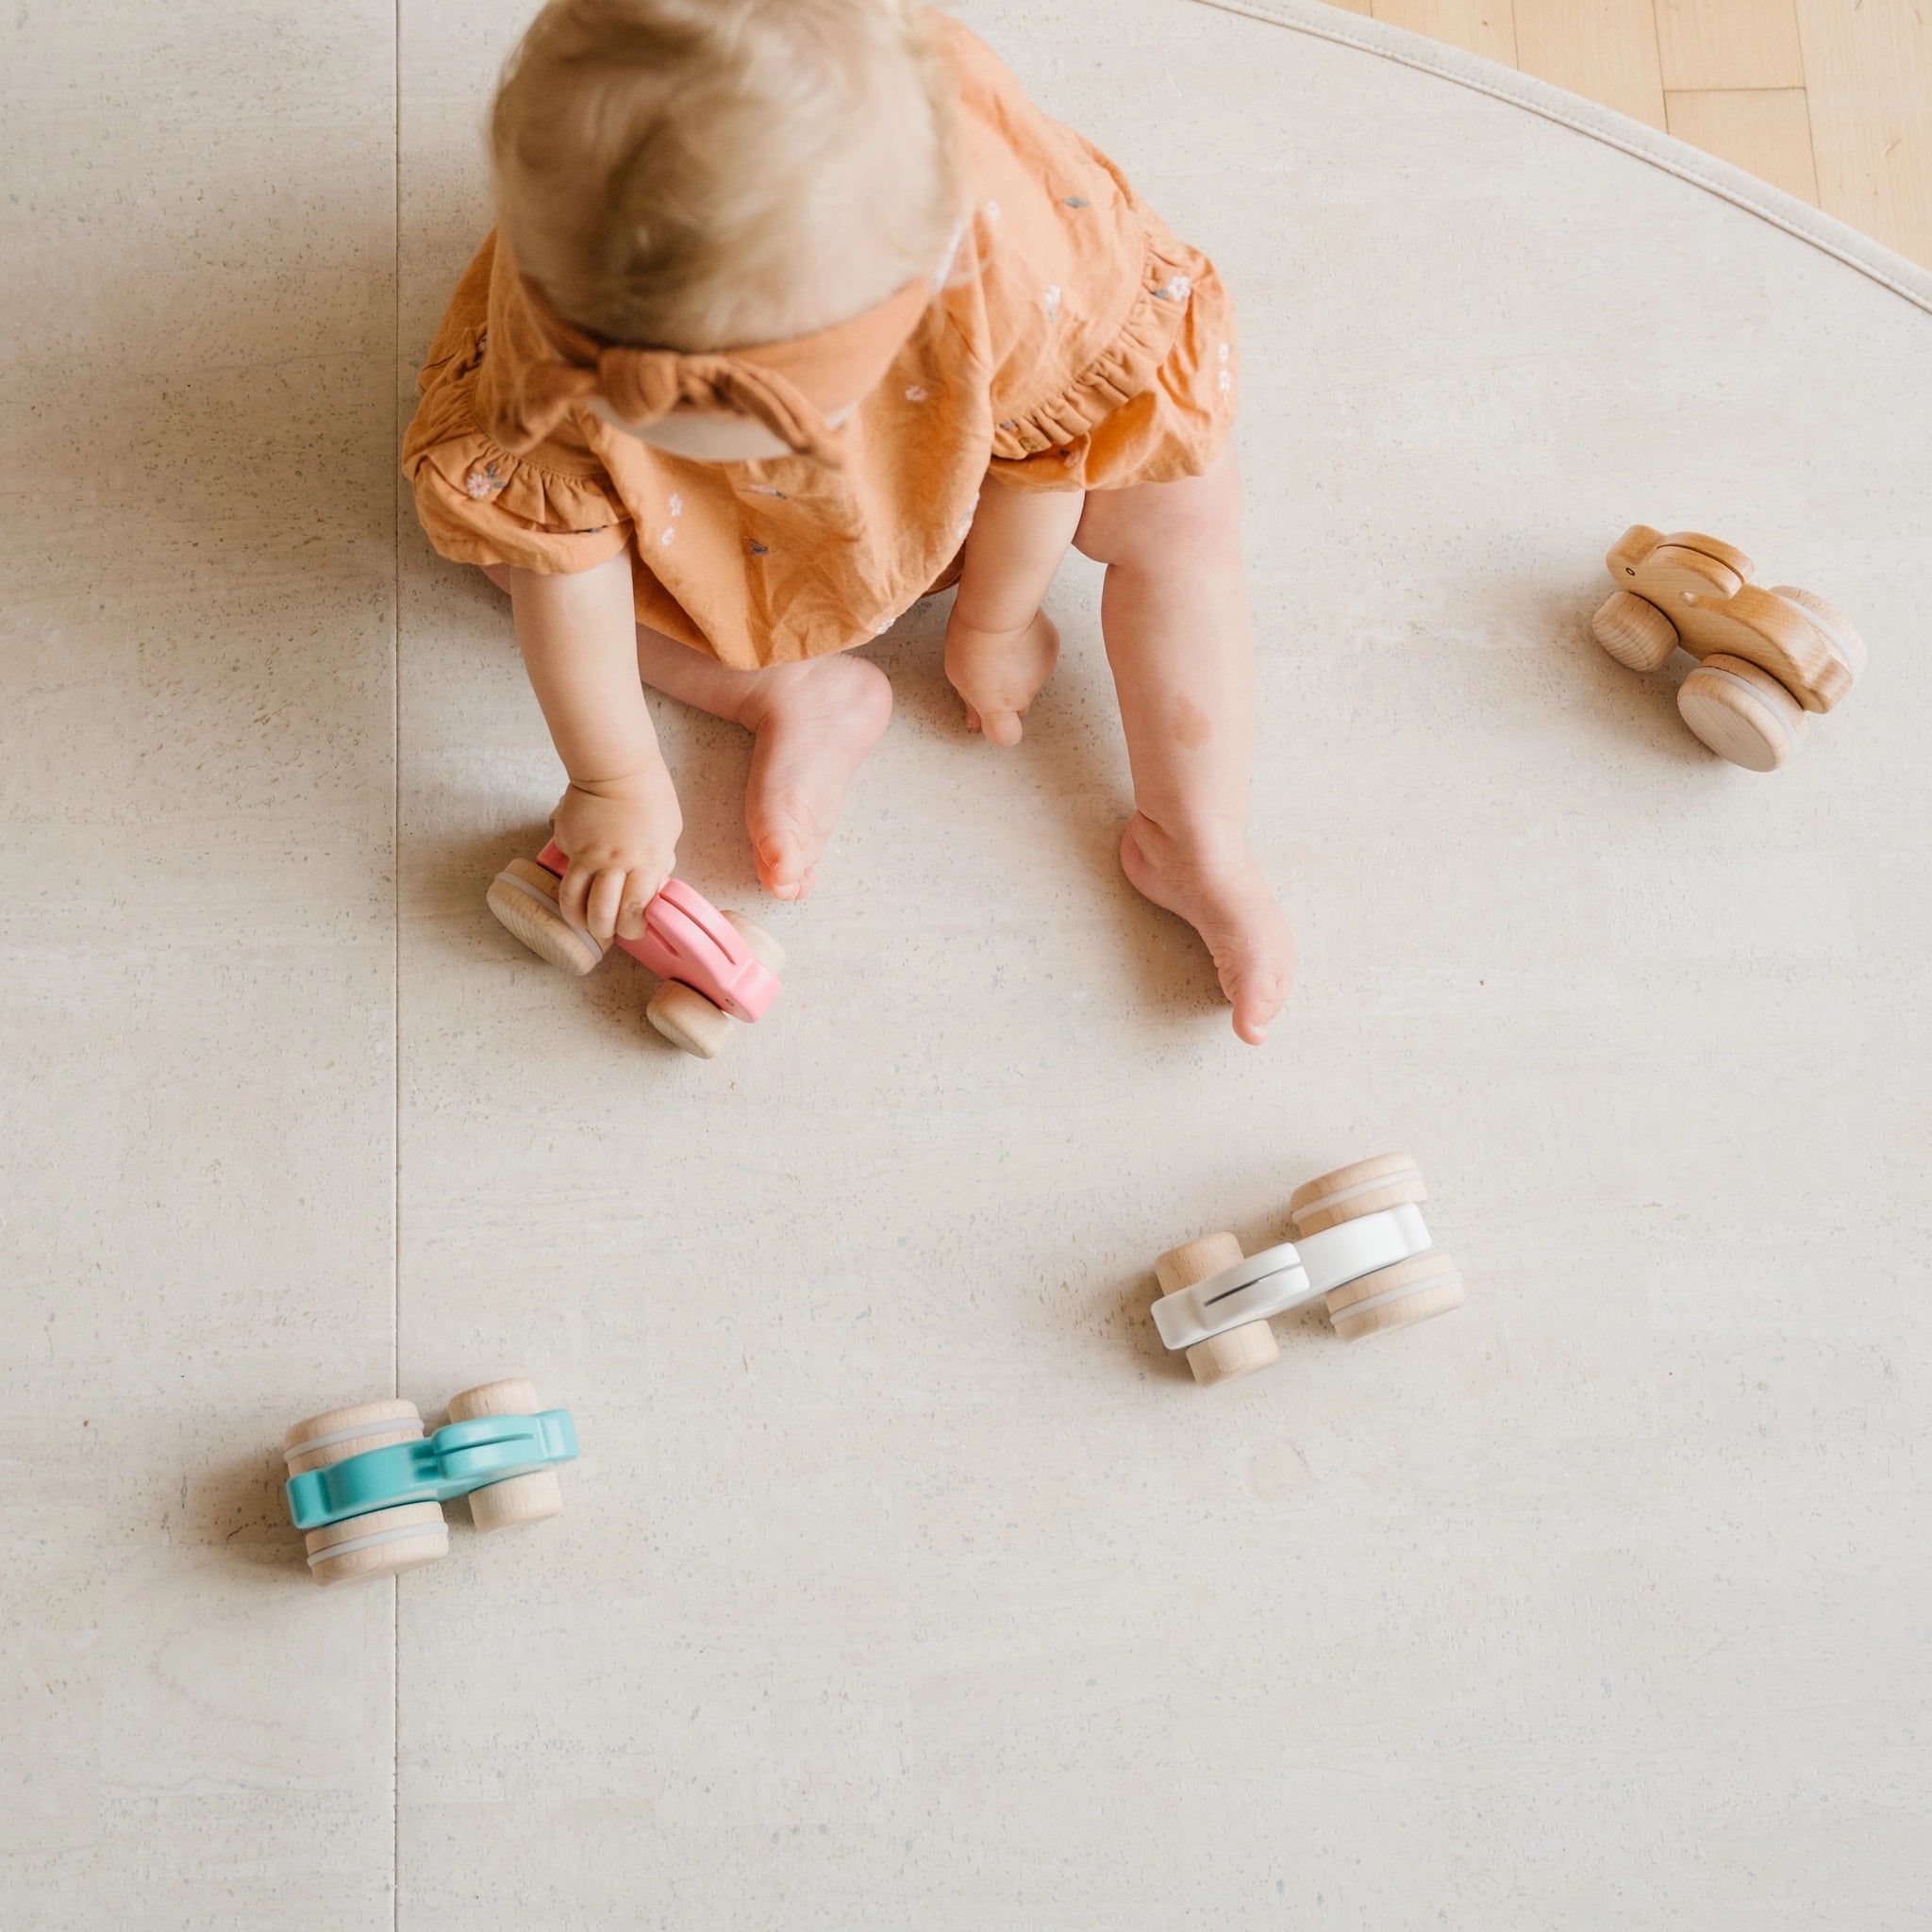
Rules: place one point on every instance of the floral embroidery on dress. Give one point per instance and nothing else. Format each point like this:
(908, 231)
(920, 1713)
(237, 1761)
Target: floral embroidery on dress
(1075, 200)
(665, 540)
(918, 393)
(1051, 299)
(1175, 288)
(759, 549)
(676, 504)
(992, 210)
(765, 490)
(1220, 356)
(485, 479)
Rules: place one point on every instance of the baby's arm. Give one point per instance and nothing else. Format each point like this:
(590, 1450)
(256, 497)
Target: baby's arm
(1000, 646)
(619, 822)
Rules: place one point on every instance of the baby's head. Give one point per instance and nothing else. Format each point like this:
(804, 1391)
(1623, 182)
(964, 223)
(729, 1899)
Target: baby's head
(701, 175)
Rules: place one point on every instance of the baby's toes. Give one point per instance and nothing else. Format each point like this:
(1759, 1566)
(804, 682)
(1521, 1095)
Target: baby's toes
(1257, 998)
(784, 858)
(783, 878)
(1256, 968)
(1001, 727)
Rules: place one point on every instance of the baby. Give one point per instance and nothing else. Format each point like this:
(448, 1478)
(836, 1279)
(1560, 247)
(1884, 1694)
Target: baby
(797, 311)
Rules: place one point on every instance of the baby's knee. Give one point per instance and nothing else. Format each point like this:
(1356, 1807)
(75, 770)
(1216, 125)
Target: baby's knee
(1192, 516)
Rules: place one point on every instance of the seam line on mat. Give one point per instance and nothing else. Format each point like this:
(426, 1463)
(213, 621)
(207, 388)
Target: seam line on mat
(396, 1215)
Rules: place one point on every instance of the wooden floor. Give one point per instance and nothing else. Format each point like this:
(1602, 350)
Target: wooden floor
(1830, 99)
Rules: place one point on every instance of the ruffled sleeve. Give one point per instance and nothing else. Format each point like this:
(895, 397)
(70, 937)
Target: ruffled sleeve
(553, 509)
(1112, 342)
(1155, 404)
(1028, 423)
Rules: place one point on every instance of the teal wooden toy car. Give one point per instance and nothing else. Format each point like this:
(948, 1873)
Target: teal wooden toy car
(368, 1487)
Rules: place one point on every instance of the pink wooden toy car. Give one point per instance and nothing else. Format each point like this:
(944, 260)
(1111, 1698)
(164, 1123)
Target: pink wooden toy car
(712, 963)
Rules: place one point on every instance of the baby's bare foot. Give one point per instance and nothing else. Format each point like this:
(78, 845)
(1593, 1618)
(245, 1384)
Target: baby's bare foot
(1222, 895)
(999, 673)
(814, 723)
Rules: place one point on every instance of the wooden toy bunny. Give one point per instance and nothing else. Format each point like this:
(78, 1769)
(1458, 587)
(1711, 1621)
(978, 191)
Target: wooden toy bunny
(1768, 657)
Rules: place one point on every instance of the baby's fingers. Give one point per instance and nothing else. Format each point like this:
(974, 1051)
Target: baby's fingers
(575, 896)
(601, 902)
(575, 890)
(639, 888)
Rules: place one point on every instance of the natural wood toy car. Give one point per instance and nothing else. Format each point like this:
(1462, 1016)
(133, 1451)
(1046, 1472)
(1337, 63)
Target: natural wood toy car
(712, 963)
(1359, 1240)
(1769, 657)
(369, 1487)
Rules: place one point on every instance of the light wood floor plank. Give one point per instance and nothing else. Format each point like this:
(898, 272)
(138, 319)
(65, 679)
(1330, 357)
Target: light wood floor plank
(1728, 43)
(1605, 50)
(1483, 26)
(1764, 130)
(1868, 76)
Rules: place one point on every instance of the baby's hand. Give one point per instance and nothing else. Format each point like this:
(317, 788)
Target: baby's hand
(999, 673)
(621, 838)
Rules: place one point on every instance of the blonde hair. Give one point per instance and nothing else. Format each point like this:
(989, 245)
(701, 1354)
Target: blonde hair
(716, 173)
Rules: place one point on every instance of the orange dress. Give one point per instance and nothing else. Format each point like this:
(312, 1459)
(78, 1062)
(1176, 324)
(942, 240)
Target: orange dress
(1077, 346)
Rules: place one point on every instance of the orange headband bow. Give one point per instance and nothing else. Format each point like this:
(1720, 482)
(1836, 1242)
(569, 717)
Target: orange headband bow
(789, 386)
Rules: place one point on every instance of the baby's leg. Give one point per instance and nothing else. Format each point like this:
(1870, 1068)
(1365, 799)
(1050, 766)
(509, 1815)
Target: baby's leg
(812, 725)
(1000, 646)
(1174, 610)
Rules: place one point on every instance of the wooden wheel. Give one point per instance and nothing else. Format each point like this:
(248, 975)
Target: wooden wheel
(339, 1433)
(1839, 633)
(531, 1498)
(762, 946)
(384, 1543)
(1410, 1292)
(1362, 1238)
(688, 1019)
(1364, 1187)
(1637, 634)
(1236, 1352)
(1742, 713)
(523, 897)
